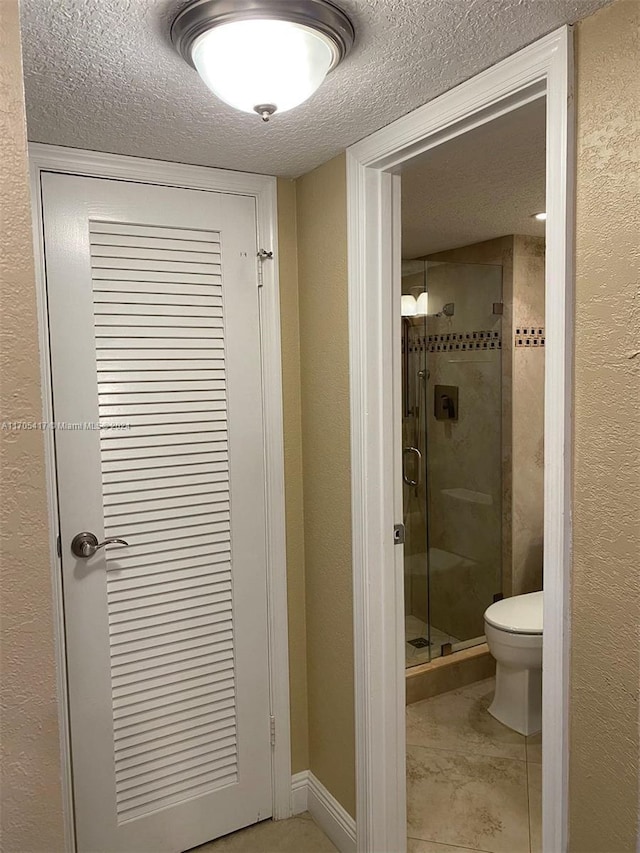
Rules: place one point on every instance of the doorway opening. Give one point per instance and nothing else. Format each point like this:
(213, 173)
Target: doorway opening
(472, 282)
(384, 458)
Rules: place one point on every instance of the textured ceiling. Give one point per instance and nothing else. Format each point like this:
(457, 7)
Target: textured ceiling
(102, 74)
(481, 185)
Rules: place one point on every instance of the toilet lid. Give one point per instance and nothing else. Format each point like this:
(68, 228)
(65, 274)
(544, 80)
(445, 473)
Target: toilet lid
(520, 614)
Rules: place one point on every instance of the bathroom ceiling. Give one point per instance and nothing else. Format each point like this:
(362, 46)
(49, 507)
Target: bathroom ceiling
(484, 184)
(103, 75)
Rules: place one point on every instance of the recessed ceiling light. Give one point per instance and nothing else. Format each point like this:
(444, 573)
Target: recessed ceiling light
(262, 56)
(540, 216)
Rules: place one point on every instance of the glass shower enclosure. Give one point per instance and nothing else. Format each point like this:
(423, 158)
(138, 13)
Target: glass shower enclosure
(451, 452)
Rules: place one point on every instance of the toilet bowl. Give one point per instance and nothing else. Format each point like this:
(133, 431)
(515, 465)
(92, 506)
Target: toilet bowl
(513, 628)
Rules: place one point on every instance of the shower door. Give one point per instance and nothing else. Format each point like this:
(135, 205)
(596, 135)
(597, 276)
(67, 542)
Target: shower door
(414, 461)
(452, 452)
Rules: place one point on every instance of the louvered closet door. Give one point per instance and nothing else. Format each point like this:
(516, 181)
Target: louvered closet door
(153, 310)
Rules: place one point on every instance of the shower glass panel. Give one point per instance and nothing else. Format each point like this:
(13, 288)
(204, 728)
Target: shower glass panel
(414, 469)
(452, 452)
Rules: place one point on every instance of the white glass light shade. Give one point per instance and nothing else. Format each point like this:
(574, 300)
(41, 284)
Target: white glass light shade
(408, 306)
(253, 63)
(422, 305)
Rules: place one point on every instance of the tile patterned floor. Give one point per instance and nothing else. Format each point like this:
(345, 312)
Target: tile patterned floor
(472, 783)
(299, 834)
(415, 628)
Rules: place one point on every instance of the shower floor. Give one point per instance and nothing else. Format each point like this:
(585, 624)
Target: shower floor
(414, 629)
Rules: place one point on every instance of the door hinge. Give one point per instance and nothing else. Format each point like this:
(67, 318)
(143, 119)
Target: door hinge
(263, 255)
(398, 534)
(59, 546)
(272, 721)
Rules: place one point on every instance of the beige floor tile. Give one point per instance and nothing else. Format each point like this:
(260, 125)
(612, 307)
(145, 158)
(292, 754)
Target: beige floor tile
(535, 806)
(299, 834)
(534, 748)
(459, 721)
(473, 801)
(414, 845)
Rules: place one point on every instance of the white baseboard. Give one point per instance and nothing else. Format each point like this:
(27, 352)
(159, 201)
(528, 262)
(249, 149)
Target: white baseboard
(299, 791)
(309, 794)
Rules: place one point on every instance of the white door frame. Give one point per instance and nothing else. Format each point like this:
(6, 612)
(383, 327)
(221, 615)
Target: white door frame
(373, 194)
(50, 158)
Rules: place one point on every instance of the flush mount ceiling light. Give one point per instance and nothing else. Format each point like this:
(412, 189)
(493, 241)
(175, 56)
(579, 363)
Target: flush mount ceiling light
(262, 56)
(539, 216)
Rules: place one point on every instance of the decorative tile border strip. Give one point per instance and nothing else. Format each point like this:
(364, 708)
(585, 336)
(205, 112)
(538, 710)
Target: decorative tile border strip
(529, 336)
(457, 341)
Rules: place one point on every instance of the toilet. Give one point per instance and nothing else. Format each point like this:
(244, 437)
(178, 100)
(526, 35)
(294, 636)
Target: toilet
(513, 628)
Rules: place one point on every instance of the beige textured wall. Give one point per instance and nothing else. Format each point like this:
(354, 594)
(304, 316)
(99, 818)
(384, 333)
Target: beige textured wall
(603, 769)
(322, 269)
(291, 393)
(31, 812)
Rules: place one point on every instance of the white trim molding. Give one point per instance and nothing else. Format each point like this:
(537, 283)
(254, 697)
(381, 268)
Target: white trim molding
(300, 792)
(309, 794)
(49, 158)
(544, 69)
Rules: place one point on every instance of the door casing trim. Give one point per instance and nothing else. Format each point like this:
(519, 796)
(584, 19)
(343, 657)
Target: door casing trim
(51, 158)
(545, 68)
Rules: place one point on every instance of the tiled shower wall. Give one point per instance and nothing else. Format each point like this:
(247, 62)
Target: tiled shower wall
(527, 414)
(522, 260)
(464, 455)
(457, 591)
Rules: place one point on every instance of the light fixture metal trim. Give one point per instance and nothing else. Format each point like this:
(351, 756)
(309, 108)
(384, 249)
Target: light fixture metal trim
(203, 15)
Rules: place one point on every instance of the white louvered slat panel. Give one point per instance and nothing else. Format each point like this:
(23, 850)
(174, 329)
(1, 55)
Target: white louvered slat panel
(166, 508)
(196, 595)
(159, 252)
(158, 301)
(164, 619)
(170, 683)
(128, 766)
(133, 308)
(128, 448)
(159, 385)
(128, 471)
(160, 349)
(118, 448)
(129, 229)
(156, 264)
(137, 578)
(115, 278)
(110, 289)
(163, 527)
(173, 742)
(158, 672)
(156, 243)
(133, 672)
(172, 514)
(136, 323)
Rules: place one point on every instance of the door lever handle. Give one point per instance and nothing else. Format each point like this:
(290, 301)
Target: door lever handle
(85, 545)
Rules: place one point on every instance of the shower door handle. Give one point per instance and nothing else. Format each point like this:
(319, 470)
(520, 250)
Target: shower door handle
(409, 451)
